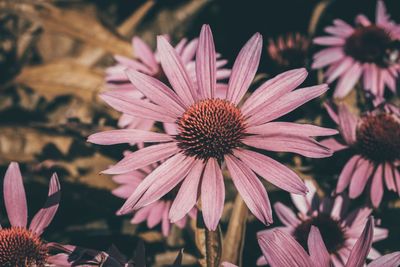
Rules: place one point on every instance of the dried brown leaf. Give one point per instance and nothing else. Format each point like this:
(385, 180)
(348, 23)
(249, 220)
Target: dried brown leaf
(168, 258)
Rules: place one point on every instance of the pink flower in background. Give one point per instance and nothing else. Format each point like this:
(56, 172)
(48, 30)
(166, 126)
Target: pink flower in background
(339, 228)
(21, 245)
(213, 132)
(367, 50)
(148, 62)
(154, 213)
(375, 140)
(281, 249)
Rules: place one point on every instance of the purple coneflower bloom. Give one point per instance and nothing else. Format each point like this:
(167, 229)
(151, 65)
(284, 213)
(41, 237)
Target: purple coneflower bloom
(375, 138)
(214, 131)
(289, 51)
(21, 245)
(338, 227)
(154, 213)
(367, 50)
(281, 249)
(148, 62)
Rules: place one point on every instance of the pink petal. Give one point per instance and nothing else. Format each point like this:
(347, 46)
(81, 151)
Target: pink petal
(60, 260)
(132, 64)
(176, 72)
(331, 112)
(389, 177)
(333, 144)
(318, 253)
(275, 128)
(144, 53)
(142, 214)
(347, 174)
(388, 260)
(121, 136)
(338, 31)
(157, 92)
(377, 186)
(360, 250)
(348, 81)
(273, 89)
(212, 194)
(305, 146)
(327, 56)
(329, 40)
(137, 107)
(205, 63)
(14, 196)
(286, 215)
(281, 249)
(397, 178)
(187, 195)
(362, 172)
(381, 17)
(306, 204)
(339, 68)
(286, 104)
(143, 157)
(189, 51)
(155, 214)
(165, 224)
(250, 188)
(363, 20)
(244, 69)
(174, 167)
(44, 216)
(163, 183)
(124, 191)
(272, 171)
(347, 124)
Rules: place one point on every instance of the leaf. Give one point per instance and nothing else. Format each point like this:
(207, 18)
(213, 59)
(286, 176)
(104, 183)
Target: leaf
(63, 78)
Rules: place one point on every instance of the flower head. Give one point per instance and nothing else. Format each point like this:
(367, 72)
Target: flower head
(148, 62)
(154, 213)
(338, 227)
(374, 138)
(289, 51)
(212, 131)
(21, 245)
(368, 50)
(281, 249)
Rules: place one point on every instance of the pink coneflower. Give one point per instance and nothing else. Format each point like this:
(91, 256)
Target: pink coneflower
(289, 51)
(148, 62)
(375, 139)
(367, 50)
(214, 131)
(339, 228)
(20, 245)
(281, 249)
(154, 213)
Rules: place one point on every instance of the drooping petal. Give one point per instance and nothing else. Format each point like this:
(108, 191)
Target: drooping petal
(348, 80)
(388, 260)
(164, 182)
(142, 214)
(305, 146)
(205, 63)
(144, 53)
(338, 68)
(329, 40)
(244, 69)
(286, 215)
(155, 214)
(137, 107)
(286, 104)
(143, 157)
(361, 248)
(333, 144)
(327, 56)
(165, 224)
(176, 72)
(361, 175)
(121, 136)
(272, 171)
(389, 177)
(187, 194)
(44, 216)
(347, 124)
(318, 253)
(377, 186)
(172, 168)
(347, 174)
(281, 249)
(157, 92)
(250, 188)
(14, 196)
(212, 194)
(273, 89)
